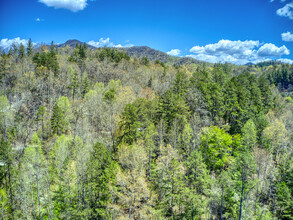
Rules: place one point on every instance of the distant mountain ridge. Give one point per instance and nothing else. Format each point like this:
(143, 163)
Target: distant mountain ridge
(153, 55)
(73, 42)
(142, 51)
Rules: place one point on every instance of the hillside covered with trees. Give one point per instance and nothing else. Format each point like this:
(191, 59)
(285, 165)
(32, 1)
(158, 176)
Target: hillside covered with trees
(101, 134)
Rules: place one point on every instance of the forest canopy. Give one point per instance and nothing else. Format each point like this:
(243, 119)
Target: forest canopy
(99, 134)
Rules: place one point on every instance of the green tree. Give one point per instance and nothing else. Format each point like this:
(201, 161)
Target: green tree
(82, 51)
(61, 116)
(5, 115)
(6, 168)
(199, 185)
(216, 147)
(149, 142)
(29, 49)
(249, 134)
(243, 170)
(171, 107)
(169, 182)
(180, 84)
(101, 173)
(41, 116)
(74, 84)
(129, 125)
(21, 51)
(285, 202)
(85, 85)
(35, 167)
(144, 61)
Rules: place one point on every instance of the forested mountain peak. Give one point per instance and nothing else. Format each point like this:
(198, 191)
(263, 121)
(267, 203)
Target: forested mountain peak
(74, 42)
(153, 55)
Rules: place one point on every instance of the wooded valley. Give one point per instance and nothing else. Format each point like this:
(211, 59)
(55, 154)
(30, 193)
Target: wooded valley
(99, 134)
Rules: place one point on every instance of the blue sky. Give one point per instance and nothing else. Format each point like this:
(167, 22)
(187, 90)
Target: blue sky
(236, 31)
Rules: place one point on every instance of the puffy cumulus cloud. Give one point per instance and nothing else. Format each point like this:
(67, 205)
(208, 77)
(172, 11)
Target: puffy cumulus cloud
(286, 11)
(289, 61)
(174, 52)
(7, 43)
(237, 52)
(72, 5)
(271, 50)
(106, 42)
(102, 42)
(239, 49)
(287, 36)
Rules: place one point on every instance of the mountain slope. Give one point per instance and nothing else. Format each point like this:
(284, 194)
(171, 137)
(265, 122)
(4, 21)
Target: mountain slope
(142, 51)
(73, 42)
(153, 55)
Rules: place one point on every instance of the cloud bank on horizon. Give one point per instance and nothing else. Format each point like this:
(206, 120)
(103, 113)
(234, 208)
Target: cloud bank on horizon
(6, 43)
(238, 52)
(72, 5)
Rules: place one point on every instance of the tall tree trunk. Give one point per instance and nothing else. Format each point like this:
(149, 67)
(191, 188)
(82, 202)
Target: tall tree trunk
(129, 210)
(242, 192)
(10, 188)
(222, 201)
(5, 128)
(33, 204)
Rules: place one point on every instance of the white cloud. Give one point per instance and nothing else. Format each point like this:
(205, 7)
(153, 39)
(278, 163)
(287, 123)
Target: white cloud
(7, 43)
(102, 42)
(286, 11)
(271, 50)
(72, 5)
(286, 61)
(174, 52)
(238, 52)
(287, 36)
(226, 47)
(106, 42)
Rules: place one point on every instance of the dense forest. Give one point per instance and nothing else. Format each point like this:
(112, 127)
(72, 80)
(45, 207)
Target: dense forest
(99, 134)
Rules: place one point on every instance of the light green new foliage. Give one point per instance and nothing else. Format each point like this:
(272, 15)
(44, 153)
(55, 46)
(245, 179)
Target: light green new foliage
(186, 138)
(249, 134)
(99, 87)
(114, 84)
(150, 133)
(216, 146)
(74, 81)
(64, 104)
(85, 84)
(59, 154)
(4, 105)
(3, 204)
(5, 114)
(35, 173)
